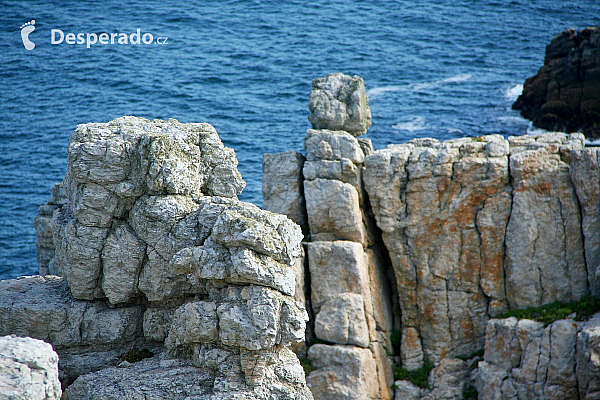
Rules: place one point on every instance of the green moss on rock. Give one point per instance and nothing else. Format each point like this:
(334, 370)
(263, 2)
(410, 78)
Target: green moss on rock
(418, 377)
(583, 310)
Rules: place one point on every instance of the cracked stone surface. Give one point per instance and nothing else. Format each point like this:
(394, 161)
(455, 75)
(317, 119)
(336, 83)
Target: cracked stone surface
(28, 369)
(525, 359)
(343, 372)
(472, 227)
(465, 220)
(154, 250)
(339, 102)
(282, 187)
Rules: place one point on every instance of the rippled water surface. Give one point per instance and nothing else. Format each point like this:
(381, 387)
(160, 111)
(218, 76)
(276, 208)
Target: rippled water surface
(432, 68)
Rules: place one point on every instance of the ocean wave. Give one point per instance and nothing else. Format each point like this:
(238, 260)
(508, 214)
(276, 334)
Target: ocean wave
(514, 92)
(378, 91)
(416, 124)
(455, 131)
(516, 119)
(594, 142)
(381, 90)
(532, 130)
(453, 79)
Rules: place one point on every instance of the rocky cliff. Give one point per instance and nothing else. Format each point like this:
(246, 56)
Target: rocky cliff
(565, 93)
(415, 248)
(167, 283)
(411, 257)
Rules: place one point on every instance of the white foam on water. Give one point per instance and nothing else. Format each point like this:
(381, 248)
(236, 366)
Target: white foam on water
(514, 92)
(378, 91)
(416, 124)
(516, 119)
(433, 84)
(381, 90)
(532, 130)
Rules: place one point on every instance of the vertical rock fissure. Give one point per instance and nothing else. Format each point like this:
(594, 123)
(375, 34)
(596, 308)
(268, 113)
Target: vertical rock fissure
(481, 256)
(581, 231)
(564, 222)
(379, 247)
(505, 246)
(310, 328)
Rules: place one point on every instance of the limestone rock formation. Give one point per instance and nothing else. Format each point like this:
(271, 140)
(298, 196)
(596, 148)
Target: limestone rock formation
(43, 226)
(448, 235)
(43, 308)
(155, 251)
(350, 296)
(410, 254)
(343, 372)
(283, 190)
(168, 379)
(565, 93)
(339, 102)
(524, 359)
(28, 369)
(464, 221)
(144, 174)
(332, 204)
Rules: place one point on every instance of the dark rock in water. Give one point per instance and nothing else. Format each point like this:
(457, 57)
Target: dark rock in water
(565, 93)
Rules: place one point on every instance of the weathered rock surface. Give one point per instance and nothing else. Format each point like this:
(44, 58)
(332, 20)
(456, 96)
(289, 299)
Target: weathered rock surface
(565, 93)
(350, 296)
(155, 250)
(86, 335)
(588, 359)
(123, 176)
(339, 102)
(448, 380)
(148, 379)
(215, 375)
(343, 372)
(548, 237)
(476, 226)
(443, 209)
(332, 204)
(28, 370)
(584, 173)
(465, 230)
(283, 190)
(524, 359)
(44, 244)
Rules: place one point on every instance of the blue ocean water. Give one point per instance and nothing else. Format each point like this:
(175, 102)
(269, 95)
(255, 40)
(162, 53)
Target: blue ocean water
(432, 68)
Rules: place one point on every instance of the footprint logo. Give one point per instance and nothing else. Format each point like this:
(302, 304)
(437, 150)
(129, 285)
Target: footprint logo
(26, 29)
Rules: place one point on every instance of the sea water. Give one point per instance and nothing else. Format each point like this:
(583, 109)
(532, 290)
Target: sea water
(444, 69)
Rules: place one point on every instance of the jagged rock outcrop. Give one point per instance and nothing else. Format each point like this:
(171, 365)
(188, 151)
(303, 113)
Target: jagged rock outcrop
(339, 102)
(525, 359)
(565, 93)
(425, 243)
(450, 234)
(350, 296)
(132, 183)
(155, 251)
(28, 370)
